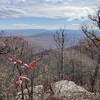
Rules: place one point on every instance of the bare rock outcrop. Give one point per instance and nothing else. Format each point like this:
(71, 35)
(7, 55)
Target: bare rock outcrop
(61, 90)
(68, 90)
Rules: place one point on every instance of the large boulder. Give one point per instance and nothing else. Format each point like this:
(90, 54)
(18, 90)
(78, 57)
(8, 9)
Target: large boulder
(68, 90)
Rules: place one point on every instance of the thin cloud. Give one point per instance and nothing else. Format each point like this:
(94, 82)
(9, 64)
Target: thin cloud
(11, 12)
(70, 10)
(20, 26)
(44, 8)
(36, 26)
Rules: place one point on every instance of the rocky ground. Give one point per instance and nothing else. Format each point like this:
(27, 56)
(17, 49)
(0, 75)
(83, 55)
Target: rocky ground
(61, 90)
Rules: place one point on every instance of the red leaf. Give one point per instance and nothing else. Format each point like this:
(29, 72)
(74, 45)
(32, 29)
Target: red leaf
(18, 61)
(23, 78)
(31, 66)
(14, 59)
(18, 82)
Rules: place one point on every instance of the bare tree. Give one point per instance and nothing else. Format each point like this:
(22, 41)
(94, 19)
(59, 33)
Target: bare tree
(59, 38)
(90, 33)
(96, 17)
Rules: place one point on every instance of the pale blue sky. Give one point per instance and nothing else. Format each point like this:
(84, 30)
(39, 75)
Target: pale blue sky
(45, 14)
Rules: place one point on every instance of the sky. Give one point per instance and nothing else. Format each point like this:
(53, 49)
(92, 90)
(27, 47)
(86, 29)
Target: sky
(45, 14)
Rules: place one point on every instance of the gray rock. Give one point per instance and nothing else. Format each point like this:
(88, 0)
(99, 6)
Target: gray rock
(37, 93)
(71, 91)
(62, 90)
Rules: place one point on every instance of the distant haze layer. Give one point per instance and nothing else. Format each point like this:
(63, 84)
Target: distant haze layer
(44, 38)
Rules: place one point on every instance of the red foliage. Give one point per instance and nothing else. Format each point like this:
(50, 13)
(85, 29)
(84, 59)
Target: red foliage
(23, 78)
(31, 66)
(20, 80)
(14, 59)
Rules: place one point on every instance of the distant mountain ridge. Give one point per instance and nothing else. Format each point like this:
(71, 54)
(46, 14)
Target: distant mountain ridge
(36, 32)
(44, 38)
(24, 32)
